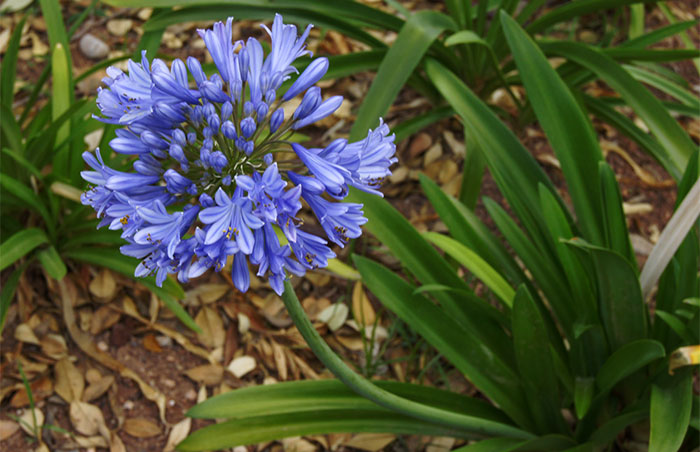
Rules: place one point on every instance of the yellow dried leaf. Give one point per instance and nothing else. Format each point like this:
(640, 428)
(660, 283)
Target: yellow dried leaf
(178, 433)
(7, 428)
(141, 427)
(242, 365)
(370, 441)
(104, 318)
(362, 310)
(95, 390)
(24, 333)
(115, 443)
(54, 346)
(684, 356)
(27, 421)
(69, 381)
(213, 334)
(209, 374)
(103, 285)
(87, 419)
(280, 360)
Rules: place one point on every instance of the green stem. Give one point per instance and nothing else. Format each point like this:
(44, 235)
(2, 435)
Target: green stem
(383, 398)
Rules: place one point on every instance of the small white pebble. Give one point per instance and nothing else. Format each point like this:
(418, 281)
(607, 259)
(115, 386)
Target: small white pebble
(191, 395)
(102, 346)
(128, 405)
(171, 403)
(164, 341)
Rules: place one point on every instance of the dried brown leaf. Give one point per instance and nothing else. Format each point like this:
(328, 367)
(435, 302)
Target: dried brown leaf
(362, 310)
(41, 389)
(151, 344)
(280, 360)
(115, 443)
(27, 421)
(105, 317)
(370, 441)
(69, 381)
(24, 333)
(54, 346)
(212, 326)
(208, 374)
(242, 365)
(141, 427)
(98, 388)
(7, 428)
(87, 419)
(178, 433)
(103, 286)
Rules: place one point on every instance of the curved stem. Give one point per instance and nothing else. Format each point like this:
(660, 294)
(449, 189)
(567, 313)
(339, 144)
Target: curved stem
(381, 397)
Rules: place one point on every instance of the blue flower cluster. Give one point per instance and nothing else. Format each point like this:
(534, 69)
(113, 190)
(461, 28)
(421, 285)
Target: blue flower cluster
(205, 184)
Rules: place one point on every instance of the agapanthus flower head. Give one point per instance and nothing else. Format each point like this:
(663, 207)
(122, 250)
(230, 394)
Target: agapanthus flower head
(206, 187)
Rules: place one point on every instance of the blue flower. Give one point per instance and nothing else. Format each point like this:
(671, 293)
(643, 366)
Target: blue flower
(206, 188)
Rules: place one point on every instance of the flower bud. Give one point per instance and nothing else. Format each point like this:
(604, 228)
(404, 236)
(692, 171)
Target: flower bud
(311, 100)
(248, 127)
(229, 130)
(261, 111)
(276, 120)
(310, 76)
(226, 110)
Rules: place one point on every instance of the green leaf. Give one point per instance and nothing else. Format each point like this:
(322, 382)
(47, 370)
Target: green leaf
(546, 442)
(468, 229)
(627, 360)
(475, 264)
(668, 132)
(11, 133)
(20, 244)
(9, 66)
(277, 426)
(636, 27)
(423, 261)
(536, 369)
(60, 102)
(620, 304)
(657, 35)
(664, 85)
(512, 166)
(614, 221)
(584, 388)
(623, 124)
(7, 292)
(19, 158)
(629, 54)
(548, 276)
(411, 126)
(253, 10)
(567, 127)
(671, 403)
(170, 293)
(575, 9)
(612, 428)
(52, 262)
(26, 195)
(494, 377)
(414, 39)
(331, 394)
(676, 325)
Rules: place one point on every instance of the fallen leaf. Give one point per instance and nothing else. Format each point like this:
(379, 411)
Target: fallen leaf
(54, 346)
(69, 381)
(362, 310)
(242, 365)
(103, 286)
(105, 317)
(280, 360)
(95, 390)
(209, 374)
(87, 419)
(370, 441)
(24, 333)
(205, 294)
(141, 427)
(7, 428)
(115, 443)
(41, 389)
(151, 344)
(334, 316)
(212, 326)
(27, 421)
(178, 433)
